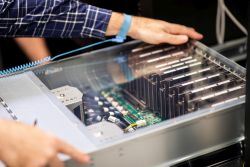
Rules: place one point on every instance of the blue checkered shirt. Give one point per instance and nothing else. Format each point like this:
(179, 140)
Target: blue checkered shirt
(52, 18)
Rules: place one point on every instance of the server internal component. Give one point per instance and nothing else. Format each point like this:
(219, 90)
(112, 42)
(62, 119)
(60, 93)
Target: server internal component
(178, 80)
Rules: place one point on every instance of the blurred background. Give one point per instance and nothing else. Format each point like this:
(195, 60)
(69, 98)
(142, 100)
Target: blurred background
(194, 13)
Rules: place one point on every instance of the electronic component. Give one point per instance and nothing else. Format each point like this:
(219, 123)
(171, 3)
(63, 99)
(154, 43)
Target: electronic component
(183, 79)
(155, 101)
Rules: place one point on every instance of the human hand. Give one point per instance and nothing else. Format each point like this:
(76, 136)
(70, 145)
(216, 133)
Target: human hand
(157, 31)
(153, 31)
(27, 146)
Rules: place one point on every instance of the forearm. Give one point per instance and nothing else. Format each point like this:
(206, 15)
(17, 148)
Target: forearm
(34, 48)
(52, 18)
(71, 18)
(115, 24)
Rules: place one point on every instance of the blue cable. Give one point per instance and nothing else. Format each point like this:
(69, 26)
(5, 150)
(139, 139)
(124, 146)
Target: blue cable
(82, 48)
(120, 38)
(49, 58)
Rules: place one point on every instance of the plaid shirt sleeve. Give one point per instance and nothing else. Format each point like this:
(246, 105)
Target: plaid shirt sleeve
(52, 18)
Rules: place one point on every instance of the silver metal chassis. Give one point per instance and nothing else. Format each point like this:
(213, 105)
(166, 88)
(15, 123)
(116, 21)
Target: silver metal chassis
(180, 139)
(164, 144)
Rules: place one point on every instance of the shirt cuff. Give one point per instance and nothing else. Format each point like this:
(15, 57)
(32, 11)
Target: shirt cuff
(96, 22)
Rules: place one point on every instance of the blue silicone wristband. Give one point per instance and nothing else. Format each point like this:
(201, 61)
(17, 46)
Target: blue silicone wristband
(122, 35)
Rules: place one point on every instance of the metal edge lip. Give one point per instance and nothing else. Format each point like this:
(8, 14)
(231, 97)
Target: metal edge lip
(169, 124)
(215, 54)
(203, 152)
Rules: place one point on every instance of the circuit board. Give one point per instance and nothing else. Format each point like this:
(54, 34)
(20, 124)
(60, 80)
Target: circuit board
(133, 113)
(110, 105)
(179, 80)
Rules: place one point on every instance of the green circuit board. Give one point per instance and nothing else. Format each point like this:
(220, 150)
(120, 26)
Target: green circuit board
(134, 113)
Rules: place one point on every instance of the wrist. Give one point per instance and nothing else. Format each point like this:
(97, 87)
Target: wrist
(115, 24)
(133, 28)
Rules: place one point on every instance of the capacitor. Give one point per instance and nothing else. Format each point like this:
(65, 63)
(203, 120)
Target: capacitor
(113, 119)
(111, 109)
(96, 98)
(102, 98)
(100, 103)
(98, 118)
(106, 104)
(105, 109)
(111, 113)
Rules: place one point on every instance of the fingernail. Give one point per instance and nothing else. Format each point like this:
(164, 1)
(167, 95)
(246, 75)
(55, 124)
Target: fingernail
(201, 36)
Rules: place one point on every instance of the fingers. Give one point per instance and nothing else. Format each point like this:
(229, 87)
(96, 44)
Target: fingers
(174, 39)
(55, 162)
(72, 152)
(183, 30)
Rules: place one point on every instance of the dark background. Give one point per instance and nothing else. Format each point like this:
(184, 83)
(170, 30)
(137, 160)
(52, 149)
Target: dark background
(199, 14)
(247, 113)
